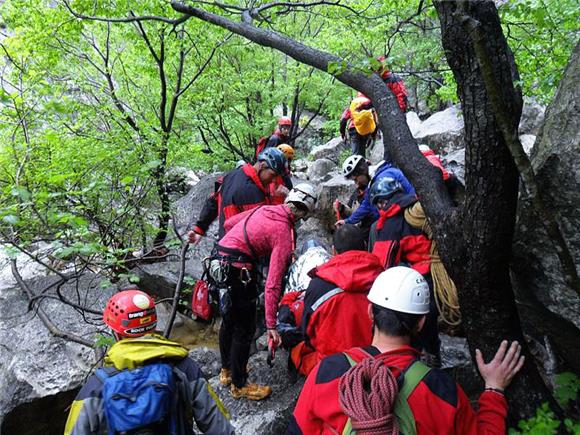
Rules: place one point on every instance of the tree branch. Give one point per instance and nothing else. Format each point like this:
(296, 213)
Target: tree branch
(54, 330)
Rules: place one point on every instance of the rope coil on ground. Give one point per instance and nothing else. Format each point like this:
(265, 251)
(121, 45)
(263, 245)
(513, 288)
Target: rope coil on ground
(367, 394)
(444, 288)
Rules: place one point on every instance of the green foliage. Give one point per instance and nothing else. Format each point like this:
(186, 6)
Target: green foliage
(545, 423)
(568, 386)
(102, 340)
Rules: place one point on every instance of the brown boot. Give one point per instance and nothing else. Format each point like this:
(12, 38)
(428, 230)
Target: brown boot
(225, 377)
(251, 391)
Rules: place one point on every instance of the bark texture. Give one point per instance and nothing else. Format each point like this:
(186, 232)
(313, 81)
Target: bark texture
(481, 271)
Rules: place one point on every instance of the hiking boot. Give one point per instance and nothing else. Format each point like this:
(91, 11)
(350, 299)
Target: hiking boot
(251, 391)
(226, 375)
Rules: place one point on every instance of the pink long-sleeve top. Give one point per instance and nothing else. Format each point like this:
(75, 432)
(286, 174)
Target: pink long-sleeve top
(271, 233)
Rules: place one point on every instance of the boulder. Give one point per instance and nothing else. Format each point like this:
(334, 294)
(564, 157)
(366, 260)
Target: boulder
(549, 306)
(330, 150)
(313, 134)
(160, 279)
(320, 169)
(270, 416)
(36, 366)
(455, 162)
(336, 188)
(414, 122)
(532, 117)
(442, 131)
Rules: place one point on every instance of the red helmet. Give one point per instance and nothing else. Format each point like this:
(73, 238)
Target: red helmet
(285, 120)
(130, 313)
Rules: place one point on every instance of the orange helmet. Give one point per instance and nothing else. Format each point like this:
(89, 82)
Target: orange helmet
(287, 150)
(285, 120)
(130, 313)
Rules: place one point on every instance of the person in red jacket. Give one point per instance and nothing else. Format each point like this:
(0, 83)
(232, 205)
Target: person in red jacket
(395, 242)
(437, 404)
(280, 136)
(266, 231)
(336, 298)
(244, 188)
(394, 83)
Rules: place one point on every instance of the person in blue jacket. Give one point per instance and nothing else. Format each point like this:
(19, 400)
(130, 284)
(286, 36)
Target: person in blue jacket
(357, 168)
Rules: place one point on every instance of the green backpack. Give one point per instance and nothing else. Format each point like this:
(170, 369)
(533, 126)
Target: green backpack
(411, 378)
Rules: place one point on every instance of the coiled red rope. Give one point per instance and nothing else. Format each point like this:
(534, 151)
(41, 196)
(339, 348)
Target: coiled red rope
(370, 409)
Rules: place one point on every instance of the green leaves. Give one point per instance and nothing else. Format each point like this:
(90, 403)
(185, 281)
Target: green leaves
(568, 386)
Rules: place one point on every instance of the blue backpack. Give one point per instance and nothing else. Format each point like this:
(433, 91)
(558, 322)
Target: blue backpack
(139, 400)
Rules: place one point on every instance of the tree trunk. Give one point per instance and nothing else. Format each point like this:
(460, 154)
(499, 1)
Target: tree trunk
(480, 264)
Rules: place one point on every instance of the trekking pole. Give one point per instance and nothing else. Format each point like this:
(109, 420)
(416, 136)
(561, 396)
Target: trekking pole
(178, 287)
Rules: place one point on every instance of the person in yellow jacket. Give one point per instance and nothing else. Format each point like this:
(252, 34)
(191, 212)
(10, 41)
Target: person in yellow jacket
(130, 394)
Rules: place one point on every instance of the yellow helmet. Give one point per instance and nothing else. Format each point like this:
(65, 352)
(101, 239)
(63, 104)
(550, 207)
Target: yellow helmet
(287, 150)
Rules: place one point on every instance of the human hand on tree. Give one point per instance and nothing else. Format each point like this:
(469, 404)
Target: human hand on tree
(499, 372)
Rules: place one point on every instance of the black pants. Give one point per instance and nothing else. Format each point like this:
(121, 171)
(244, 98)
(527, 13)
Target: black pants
(358, 143)
(238, 326)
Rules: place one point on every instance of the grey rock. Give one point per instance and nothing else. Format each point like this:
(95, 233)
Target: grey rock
(160, 279)
(33, 363)
(532, 117)
(336, 188)
(414, 122)
(186, 210)
(442, 131)
(320, 169)
(330, 150)
(527, 141)
(270, 416)
(455, 162)
(548, 304)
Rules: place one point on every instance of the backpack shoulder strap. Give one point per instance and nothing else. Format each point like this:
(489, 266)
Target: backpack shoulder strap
(354, 356)
(411, 378)
(246, 233)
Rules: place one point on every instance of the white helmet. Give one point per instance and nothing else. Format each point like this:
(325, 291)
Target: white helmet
(424, 148)
(350, 164)
(401, 289)
(304, 194)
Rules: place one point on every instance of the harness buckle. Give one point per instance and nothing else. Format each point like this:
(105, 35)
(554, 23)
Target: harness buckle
(245, 276)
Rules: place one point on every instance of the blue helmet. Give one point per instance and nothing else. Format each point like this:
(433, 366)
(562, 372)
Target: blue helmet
(384, 188)
(274, 159)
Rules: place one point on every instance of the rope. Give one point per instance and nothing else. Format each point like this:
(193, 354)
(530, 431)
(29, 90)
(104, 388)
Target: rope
(370, 409)
(443, 286)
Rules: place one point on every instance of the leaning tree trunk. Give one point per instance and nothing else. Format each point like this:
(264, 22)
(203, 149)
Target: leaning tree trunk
(488, 216)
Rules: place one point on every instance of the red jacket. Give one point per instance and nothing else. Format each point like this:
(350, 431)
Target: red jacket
(397, 87)
(394, 241)
(335, 306)
(239, 190)
(439, 405)
(271, 233)
(435, 161)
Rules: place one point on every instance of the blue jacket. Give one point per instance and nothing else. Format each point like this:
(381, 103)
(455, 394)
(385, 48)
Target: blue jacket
(366, 208)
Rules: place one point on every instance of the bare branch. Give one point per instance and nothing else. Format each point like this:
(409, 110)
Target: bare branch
(54, 330)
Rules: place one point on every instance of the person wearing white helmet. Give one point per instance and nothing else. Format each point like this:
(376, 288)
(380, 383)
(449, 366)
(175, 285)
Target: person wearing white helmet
(384, 388)
(266, 231)
(358, 169)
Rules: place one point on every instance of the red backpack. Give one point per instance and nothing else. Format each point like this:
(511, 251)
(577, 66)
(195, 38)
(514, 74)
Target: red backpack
(200, 300)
